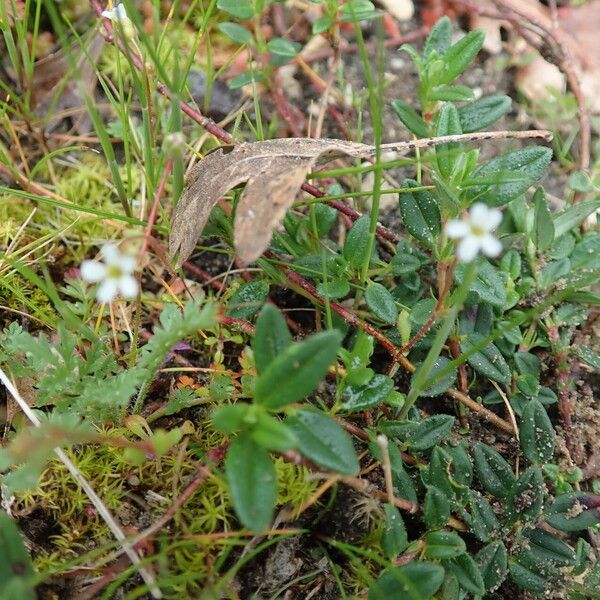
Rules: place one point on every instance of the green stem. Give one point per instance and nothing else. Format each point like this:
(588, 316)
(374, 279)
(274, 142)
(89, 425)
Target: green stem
(422, 373)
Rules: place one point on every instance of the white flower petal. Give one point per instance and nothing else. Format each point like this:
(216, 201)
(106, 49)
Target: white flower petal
(128, 286)
(479, 215)
(457, 229)
(494, 218)
(93, 271)
(107, 290)
(468, 248)
(127, 263)
(111, 255)
(109, 14)
(490, 245)
(121, 12)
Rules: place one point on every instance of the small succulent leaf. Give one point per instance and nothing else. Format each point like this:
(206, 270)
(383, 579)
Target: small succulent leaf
(536, 433)
(510, 175)
(420, 213)
(439, 38)
(493, 472)
(248, 299)
(488, 361)
(526, 498)
(483, 112)
(413, 581)
(574, 511)
(374, 393)
(436, 509)
(430, 431)
(442, 545)
(467, 572)
(381, 303)
(459, 55)
(492, 561)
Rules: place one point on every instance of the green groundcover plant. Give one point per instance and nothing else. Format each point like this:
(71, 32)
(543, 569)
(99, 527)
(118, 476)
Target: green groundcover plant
(481, 280)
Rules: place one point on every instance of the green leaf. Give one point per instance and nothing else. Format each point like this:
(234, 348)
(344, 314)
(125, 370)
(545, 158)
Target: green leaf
(492, 561)
(381, 303)
(493, 472)
(16, 570)
(488, 284)
(588, 356)
(526, 497)
(451, 93)
(410, 118)
(547, 547)
(574, 511)
(335, 288)
(526, 573)
(430, 431)
(324, 442)
(240, 9)
(447, 155)
(283, 48)
(466, 571)
(439, 386)
(248, 299)
(543, 225)
(252, 481)
(482, 519)
(528, 163)
(230, 418)
(271, 337)
(355, 246)
(393, 538)
(442, 545)
(235, 32)
(459, 55)
(413, 581)
(420, 213)
(580, 182)
(321, 24)
(483, 112)
(297, 370)
(372, 394)
(573, 216)
(488, 361)
(536, 434)
(272, 434)
(439, 38)
(436, 509)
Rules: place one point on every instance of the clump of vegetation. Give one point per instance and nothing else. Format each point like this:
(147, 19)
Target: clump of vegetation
(394, 405)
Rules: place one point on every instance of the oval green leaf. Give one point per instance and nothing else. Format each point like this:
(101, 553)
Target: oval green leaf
(297, 370)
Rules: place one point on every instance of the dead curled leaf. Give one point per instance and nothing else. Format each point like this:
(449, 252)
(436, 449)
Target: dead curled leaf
(274, 171)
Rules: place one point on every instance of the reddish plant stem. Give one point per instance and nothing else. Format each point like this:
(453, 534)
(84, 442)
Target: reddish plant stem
(207, 277)
(241, 324)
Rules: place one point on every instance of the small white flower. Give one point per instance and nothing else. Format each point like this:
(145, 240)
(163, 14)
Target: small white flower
(114, 274)
(119, 15)
(474, 232)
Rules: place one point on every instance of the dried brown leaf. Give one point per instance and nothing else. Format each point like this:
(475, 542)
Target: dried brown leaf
(273, 171)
